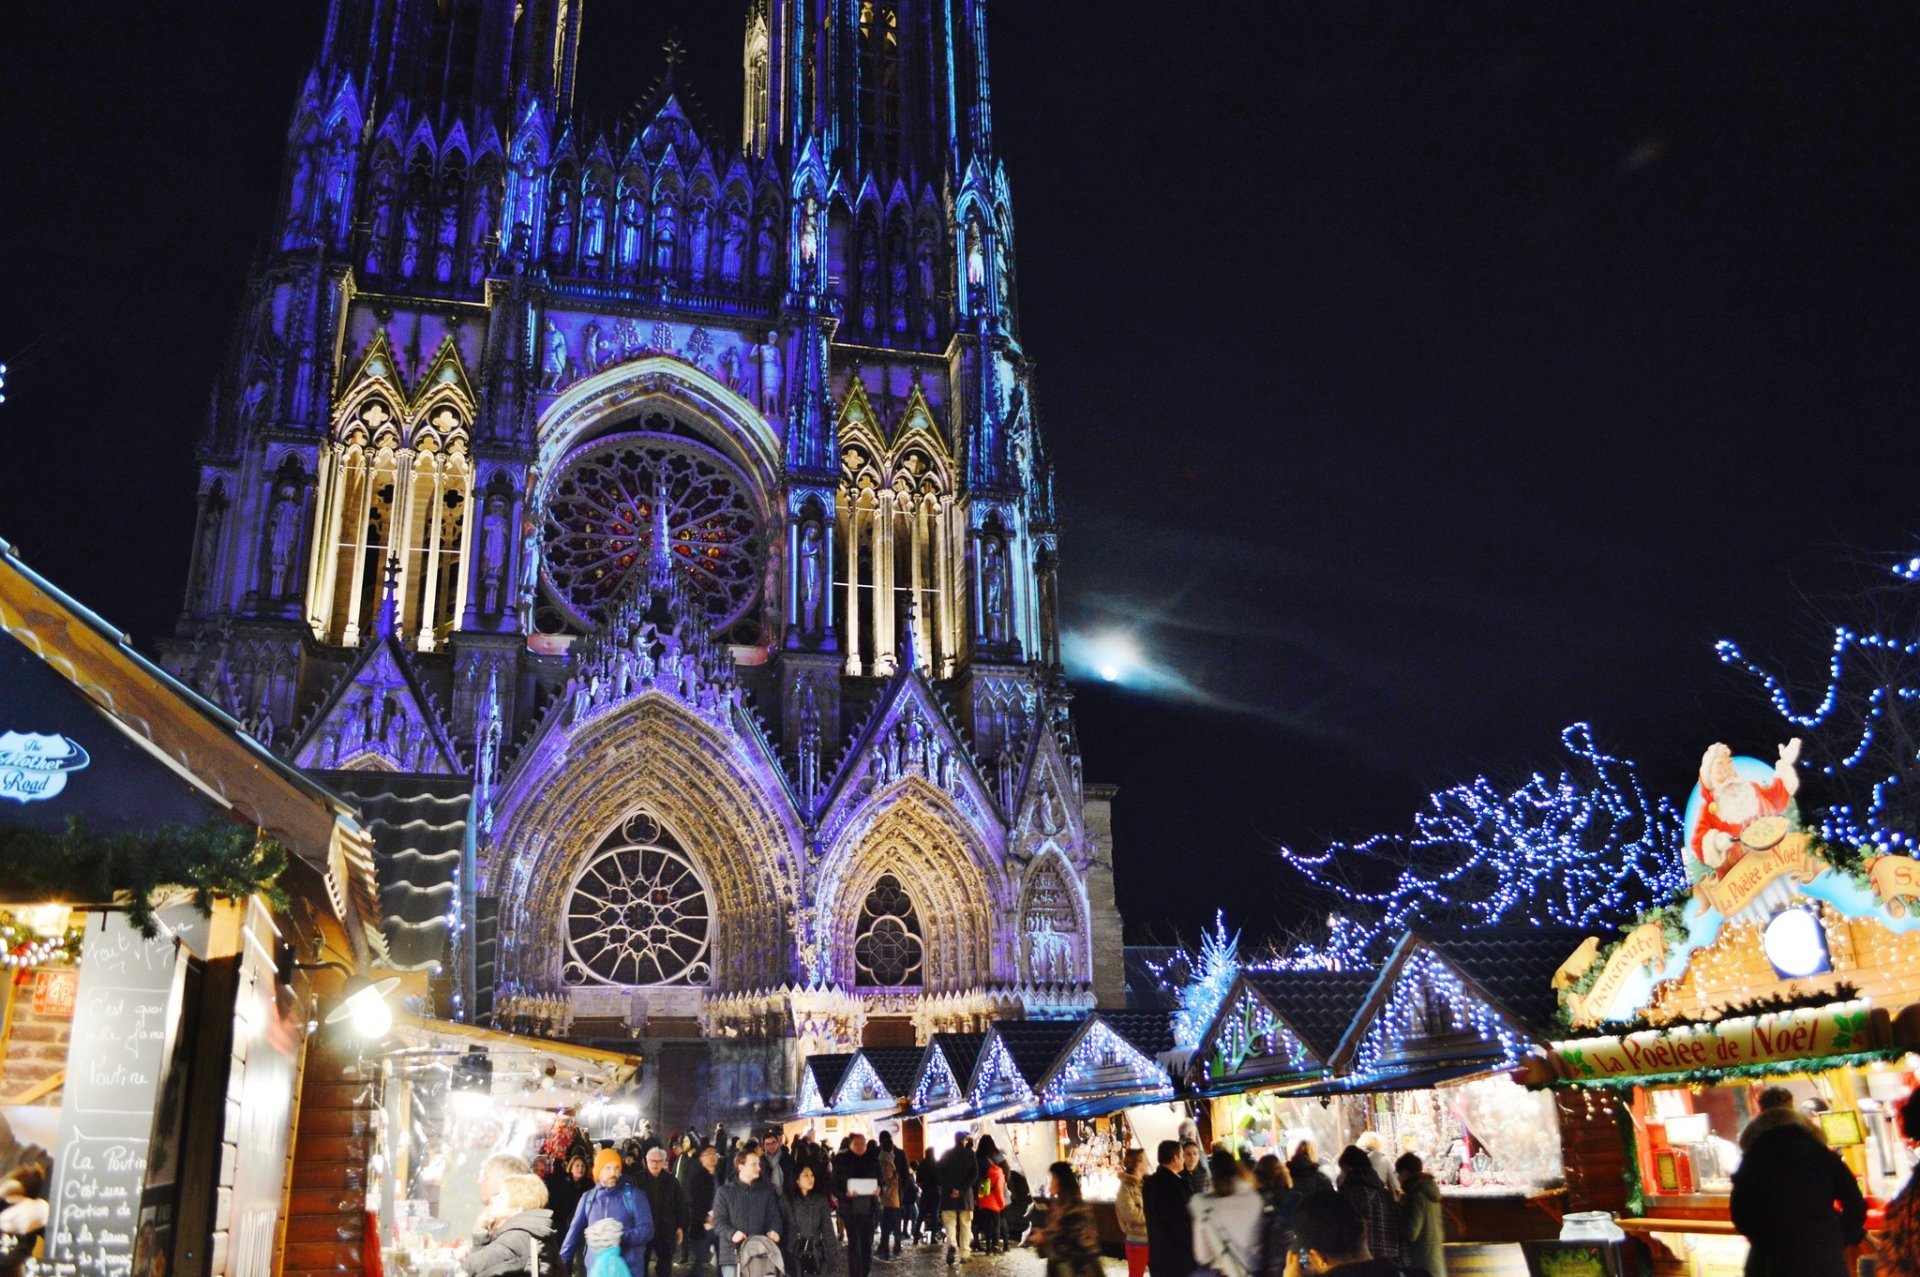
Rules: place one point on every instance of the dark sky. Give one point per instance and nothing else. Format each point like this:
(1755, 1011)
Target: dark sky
(1422, 378)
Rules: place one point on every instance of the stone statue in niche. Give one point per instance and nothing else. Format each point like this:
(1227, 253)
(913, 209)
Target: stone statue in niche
(900, 288)
(993, 589)
(589, 343)
(493, 554)
(283, 536)
(976, 257)
(334, 197)
(627, 248)
(298, 200)
(699, 232)
(593, 236)
(813, 576)
(733, 245)
(730, 367)
(810, 232)
(483, 198)
(410, 240)
(382, 228)
(443, 246)
(773, 373)
(562, 237)
(529, 571)
(869, 283)
(666, 235)
(554, 366)
(209, 546)
(767, 249)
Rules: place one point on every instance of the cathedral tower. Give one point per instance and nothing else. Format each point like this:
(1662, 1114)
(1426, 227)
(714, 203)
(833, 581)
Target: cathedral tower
(678, 505)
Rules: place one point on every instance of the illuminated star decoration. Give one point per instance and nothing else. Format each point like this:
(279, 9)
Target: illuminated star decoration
(1860, 731)
(1583, 848)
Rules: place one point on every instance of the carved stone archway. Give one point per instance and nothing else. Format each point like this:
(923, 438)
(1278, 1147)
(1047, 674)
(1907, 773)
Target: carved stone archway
(918, 838)
(653, 756)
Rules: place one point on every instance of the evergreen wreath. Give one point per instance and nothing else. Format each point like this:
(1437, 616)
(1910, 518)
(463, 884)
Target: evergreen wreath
(78, 865)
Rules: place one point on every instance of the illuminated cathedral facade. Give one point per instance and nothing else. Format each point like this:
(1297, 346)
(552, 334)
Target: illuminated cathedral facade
(654, 529)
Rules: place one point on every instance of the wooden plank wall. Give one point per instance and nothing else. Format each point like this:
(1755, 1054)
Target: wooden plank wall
(1591, 1147)
(326, 1229)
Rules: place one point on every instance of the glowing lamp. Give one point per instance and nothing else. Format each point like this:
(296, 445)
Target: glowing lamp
(363, 1005)
(1796, 945)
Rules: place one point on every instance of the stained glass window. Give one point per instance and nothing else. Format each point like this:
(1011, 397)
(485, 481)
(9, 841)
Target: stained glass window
(602, 515)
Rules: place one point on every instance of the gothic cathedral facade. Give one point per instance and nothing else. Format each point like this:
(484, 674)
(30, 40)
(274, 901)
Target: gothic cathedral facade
(654, 530)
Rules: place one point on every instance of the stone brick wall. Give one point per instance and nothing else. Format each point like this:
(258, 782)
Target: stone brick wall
(35, 1047)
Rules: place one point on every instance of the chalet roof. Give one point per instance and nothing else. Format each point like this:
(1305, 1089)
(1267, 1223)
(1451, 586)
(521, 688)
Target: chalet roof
(1035, 1045)
(1149, 1032)
(897, 1067)
(1511, 966)
(1319, 1006)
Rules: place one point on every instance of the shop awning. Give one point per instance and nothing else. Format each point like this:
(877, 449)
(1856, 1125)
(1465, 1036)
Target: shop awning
(820, 1078)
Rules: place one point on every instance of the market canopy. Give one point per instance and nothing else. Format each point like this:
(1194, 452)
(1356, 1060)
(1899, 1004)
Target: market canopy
(1276, 1028)
(878, 1080)
(1016, 1060)
(93, 731)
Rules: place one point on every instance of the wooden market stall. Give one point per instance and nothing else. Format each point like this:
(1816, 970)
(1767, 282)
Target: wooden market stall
(1779, 968)
(153, 1045)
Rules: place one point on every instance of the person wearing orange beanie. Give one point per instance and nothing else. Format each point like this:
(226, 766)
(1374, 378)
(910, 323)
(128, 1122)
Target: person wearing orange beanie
(611, 1197)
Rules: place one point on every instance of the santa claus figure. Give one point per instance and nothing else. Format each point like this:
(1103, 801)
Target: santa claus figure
(1732, 805)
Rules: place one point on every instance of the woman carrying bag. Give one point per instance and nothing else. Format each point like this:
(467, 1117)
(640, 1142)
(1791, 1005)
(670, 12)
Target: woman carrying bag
(807, 1239)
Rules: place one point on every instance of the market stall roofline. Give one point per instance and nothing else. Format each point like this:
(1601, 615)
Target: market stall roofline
(193, 735)
(1100, 1107)
(494, 1037)
(1336, 996)
(1163, 1091)
(1463, 951)
(106, 645)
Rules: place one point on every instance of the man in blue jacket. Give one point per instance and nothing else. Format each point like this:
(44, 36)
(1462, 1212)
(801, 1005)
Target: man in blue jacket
(610, 1198)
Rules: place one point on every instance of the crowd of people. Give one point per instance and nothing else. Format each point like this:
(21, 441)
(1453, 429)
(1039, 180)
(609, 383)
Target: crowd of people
(757, 1207)
(1225, 1215)
(635, 1209)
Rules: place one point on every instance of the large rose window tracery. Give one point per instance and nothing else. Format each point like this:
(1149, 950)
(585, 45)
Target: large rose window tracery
(638, 913)
(603, 514)
(888, 952)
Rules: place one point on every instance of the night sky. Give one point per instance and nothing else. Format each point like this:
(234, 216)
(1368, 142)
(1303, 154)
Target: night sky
(1421, 378)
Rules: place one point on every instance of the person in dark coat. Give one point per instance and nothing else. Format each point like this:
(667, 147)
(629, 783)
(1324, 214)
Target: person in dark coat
(859, 1213)
(611, 1198)
(1794, 1200)
(745, 1206)
(566, 1186)
(1164, 1196)
(959, 1177)
(702, 1184)
(807, 1241)
(1363, 1189)
(927, 1175)
(669, 1209)
(1304, 1169)
(1334, 1238)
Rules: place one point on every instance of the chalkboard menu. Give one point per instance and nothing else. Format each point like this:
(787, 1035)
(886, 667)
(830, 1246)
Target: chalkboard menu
(122, 1013)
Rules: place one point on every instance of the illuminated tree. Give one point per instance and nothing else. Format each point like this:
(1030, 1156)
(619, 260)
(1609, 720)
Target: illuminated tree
(1582, 848)
(1862, 732)
(1201, 980)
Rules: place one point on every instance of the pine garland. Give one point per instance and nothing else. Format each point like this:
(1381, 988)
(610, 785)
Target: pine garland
(78, 865)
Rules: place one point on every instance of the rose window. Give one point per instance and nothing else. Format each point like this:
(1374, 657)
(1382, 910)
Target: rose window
(888, 952)
(604, 510)
(639, 913)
